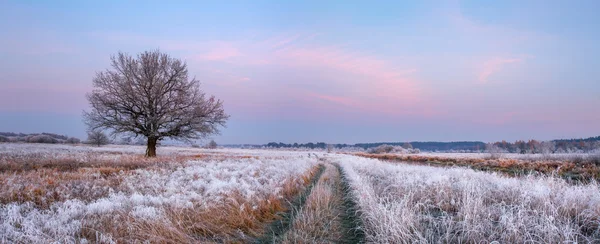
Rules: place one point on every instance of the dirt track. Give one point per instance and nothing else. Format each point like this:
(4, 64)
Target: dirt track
(324, 213)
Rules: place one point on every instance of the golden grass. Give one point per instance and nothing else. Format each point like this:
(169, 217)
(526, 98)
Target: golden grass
(319, 220)
(566, 168)
(236, 220)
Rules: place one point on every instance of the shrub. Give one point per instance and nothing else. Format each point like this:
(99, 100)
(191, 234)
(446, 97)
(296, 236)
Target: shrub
(41, 139)
(382, 149)
(73, 140)
(212, 145)
(97, 138)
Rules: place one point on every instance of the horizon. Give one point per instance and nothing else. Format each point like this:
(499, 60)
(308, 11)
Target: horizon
(348, 73)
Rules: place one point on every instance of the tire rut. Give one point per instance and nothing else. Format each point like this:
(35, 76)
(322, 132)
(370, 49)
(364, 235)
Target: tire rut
(328, 214)
(351, 219)
(281, 226)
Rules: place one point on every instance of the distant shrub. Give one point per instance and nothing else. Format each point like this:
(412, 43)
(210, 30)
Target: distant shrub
(4, 139)
(212, 145)
(73, 140)
(97, 138)
(41, 139)
(56, 136)
(495, 152)
(393, 149)
(15, 139)
(382, 149)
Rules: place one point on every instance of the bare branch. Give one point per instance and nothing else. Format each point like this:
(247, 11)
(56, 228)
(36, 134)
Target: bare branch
(152, 96)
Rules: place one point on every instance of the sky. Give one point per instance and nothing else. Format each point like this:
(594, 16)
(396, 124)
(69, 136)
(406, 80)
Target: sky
(331, 71)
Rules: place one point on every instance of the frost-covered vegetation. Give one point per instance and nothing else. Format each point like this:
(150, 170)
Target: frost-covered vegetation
(37, 138)
(110, 195)
(579, 167)
(81, 194)
(407, 203)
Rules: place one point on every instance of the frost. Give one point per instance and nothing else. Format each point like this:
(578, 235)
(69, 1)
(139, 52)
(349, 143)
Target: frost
(144, 193)
(433, 204)
(146, 213)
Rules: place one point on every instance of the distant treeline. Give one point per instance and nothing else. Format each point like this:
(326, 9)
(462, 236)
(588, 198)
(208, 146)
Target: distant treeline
(531, 146)
(310, 145)
(431, 146)
(37, 138)
(555, 146)
(423, 146)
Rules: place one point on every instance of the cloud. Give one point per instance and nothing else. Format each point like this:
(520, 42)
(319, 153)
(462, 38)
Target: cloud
(378, 78)
(493, 66)
(221, 52)
(340, 76)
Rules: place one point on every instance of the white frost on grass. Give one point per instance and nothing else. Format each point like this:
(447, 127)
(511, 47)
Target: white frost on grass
(144, 193)
(407, 203)
(87, 152)
(531, 157)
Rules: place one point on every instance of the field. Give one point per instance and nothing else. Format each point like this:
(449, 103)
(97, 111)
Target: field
(575, 167)
(112, 194)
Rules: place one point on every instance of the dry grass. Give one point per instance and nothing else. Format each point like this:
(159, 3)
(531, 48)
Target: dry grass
(319, 220)
(39, 161)
(44, 180)
(571, 168)
(418, 204)
(235, 220)
(101, 195)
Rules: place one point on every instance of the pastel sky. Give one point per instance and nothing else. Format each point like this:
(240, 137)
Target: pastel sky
(332, 71)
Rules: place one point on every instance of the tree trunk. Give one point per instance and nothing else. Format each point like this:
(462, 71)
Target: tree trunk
(151, 150)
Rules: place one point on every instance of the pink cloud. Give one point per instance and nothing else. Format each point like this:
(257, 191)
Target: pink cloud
(493, 66)
(221, 52)
(369, 82)
(373, 74)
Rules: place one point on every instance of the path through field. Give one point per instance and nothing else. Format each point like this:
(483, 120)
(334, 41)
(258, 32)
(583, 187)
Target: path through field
(325, 213)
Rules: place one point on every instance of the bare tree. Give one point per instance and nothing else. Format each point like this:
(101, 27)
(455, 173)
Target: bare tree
(212, 145)
(548, 147)
(151, 96)
(97, 137)
(494, 150)
(73, 140)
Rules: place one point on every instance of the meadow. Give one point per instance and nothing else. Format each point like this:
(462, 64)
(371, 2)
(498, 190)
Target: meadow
(113, 194)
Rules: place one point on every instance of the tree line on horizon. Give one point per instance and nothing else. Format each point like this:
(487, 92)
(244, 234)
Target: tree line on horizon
(519, 146)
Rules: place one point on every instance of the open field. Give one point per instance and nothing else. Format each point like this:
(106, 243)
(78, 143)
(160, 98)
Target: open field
(579, 167)
(112, 194)
(402, 203)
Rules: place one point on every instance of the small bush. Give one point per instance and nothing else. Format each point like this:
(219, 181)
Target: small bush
(212, 145)
(73, 140)
(41, 139)
(97, 138)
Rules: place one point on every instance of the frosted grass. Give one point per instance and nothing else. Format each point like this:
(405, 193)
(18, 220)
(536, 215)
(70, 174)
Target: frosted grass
(421, 204)
(145, 193)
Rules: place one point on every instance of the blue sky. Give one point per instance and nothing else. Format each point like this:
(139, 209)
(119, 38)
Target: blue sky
(333, 71)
